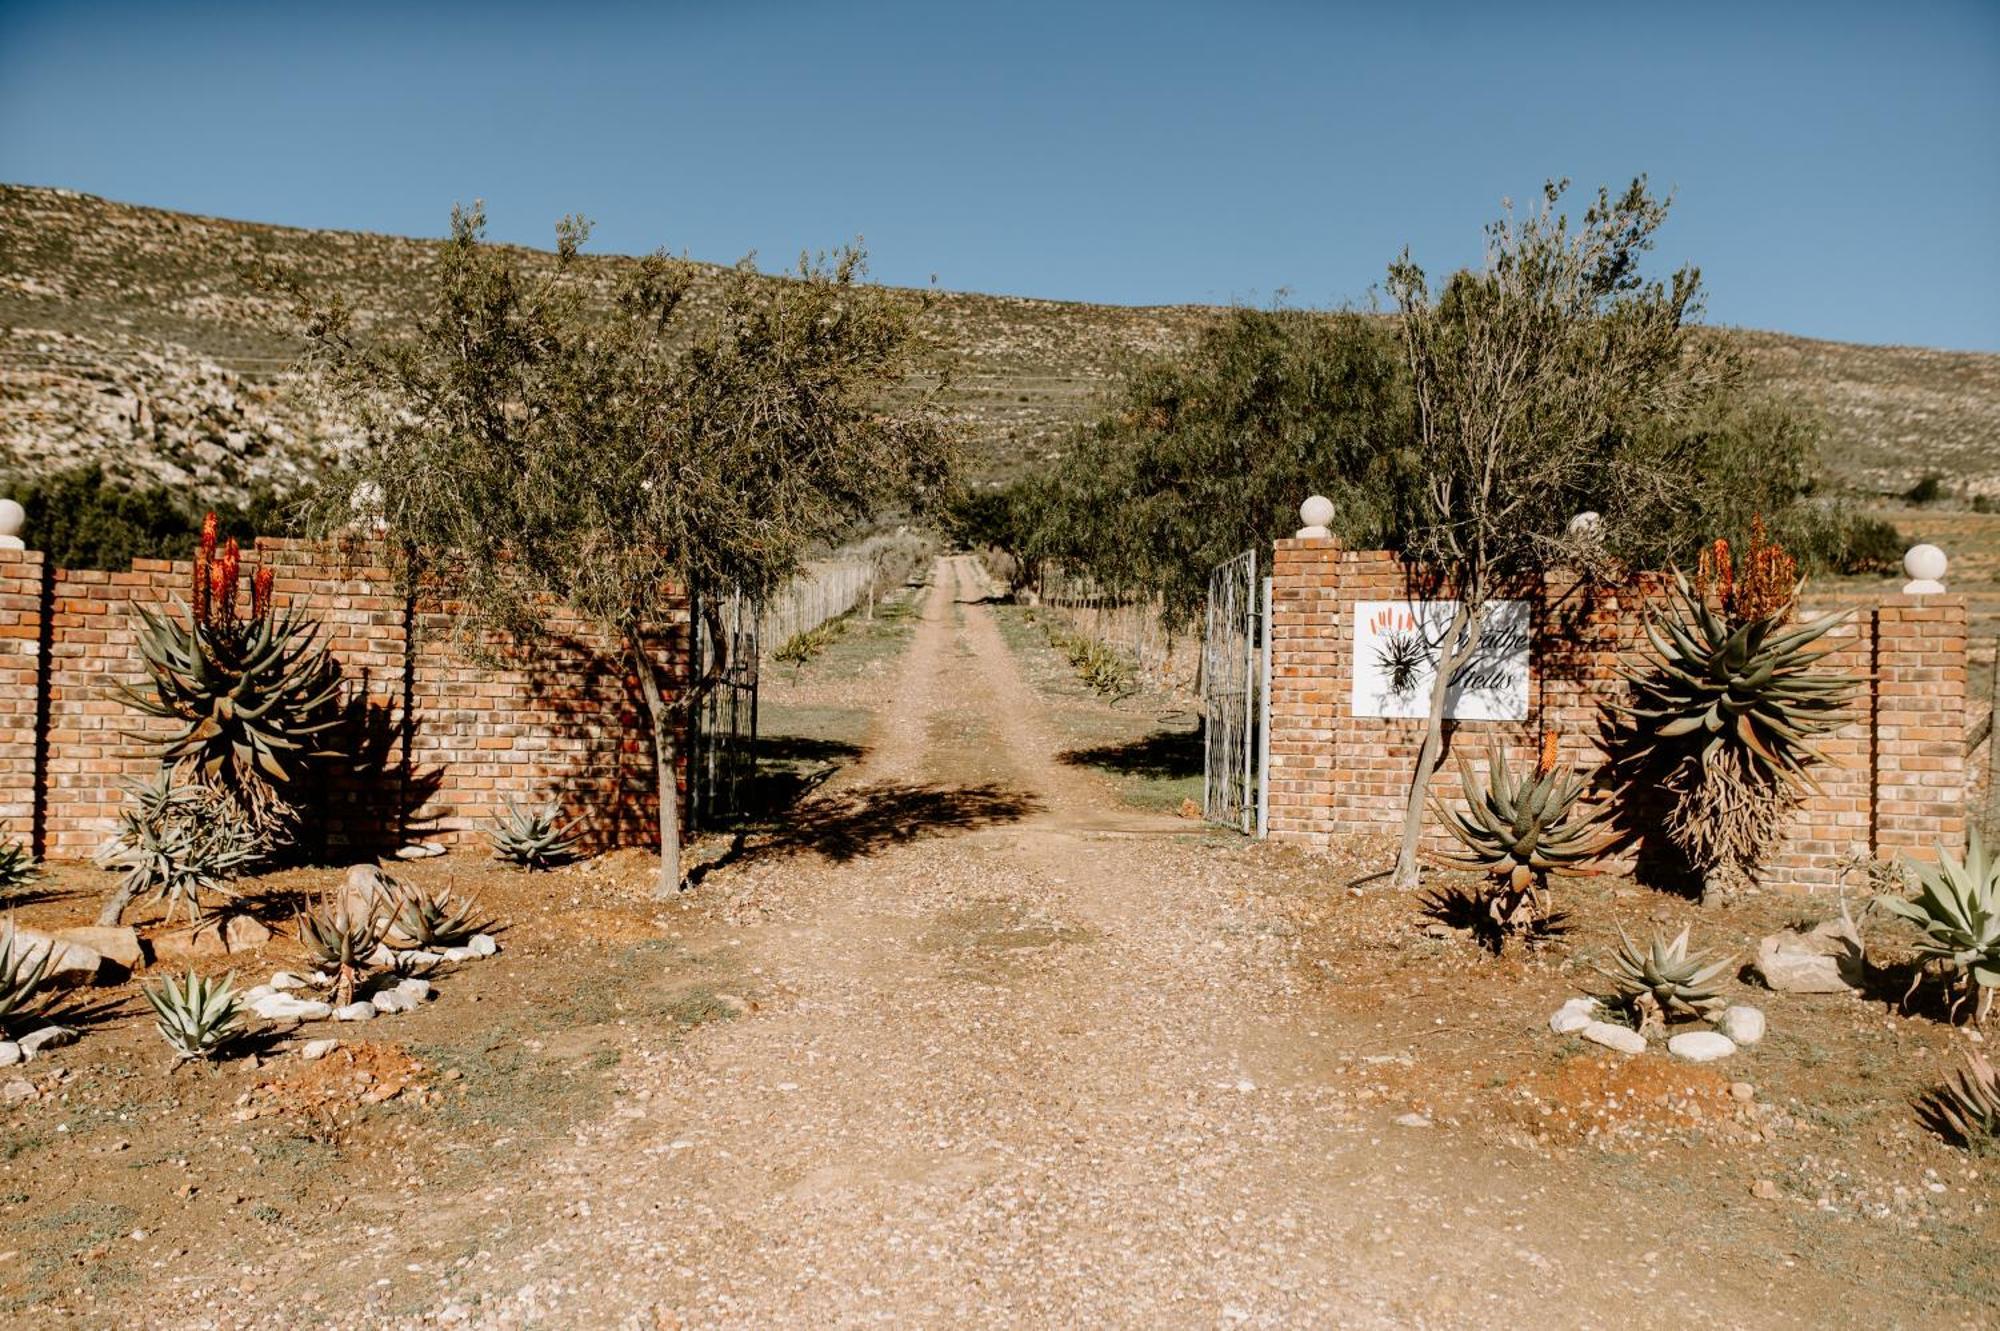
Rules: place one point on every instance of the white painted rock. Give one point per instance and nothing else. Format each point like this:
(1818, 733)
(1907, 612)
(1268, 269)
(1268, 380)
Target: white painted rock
(284, 1007)
(415, 989)
(390, 1002)
(482, 945)
(383, 955)
(459, 954)
(260, 991)
(1622, 1038)
(49, 1037)
(1573, 1016)
(1701, 1046)
(10, 1054)
(1413, 1121)
(417, 958)
(418, 850)
(286, 980)
(355, 1012)
(314, 1050)
(1744, 1025)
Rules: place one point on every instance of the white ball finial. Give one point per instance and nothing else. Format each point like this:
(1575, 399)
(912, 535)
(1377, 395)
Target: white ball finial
(12, 518)
(1316, 513)
(1926, 565)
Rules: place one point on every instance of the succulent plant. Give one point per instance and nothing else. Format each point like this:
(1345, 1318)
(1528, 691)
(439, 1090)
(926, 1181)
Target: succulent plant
(1520, 831)
(1662, 981)
(341, 939)
(197, 1016)
(1726, 711)
(437, 918)
(533, 838)
(1957, 907)
(22, 969)
(253, 698)
(17, 865)
(1967, 1106)
(179, 841)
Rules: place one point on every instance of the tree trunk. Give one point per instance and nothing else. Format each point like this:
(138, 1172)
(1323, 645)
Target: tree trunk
(114, 905)
(1451, 658)
(663, 756)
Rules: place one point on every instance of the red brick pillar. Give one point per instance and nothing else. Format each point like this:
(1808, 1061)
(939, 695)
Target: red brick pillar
(1920, 721)
(21, 623)
(1306, 648)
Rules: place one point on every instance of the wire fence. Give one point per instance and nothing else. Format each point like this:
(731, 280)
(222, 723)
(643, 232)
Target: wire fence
(1132, 624)
(854, 577)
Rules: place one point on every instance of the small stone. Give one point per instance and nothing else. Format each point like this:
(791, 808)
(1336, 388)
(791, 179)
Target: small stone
(244, 933)
(417, 958)
(260, 991)
(482, 945)
(418, 850)
(389, 1002)
(1743, 1091)
(414, 989)
(48, 1037)
(355, 1012)
(1622, 1038)
(314, 1050)
(16, 1091)
(459, 954)
(10, 1054)
(383, 955)
(1764, 1188)
(118, 944)
(286, 980)
(283, 1007)
(1701, 1046)
(1573, 1016)
(1825, 959)
(1744, 1025)
(1413, 1120)
(68, 962)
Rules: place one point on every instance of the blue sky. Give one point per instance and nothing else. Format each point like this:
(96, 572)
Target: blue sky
(1837, 165)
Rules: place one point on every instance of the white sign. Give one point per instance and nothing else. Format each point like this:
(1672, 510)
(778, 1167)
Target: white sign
(1396, 649)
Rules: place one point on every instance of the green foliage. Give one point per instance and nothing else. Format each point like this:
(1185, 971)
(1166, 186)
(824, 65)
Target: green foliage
(180, 842)
(1928, 490)
(198, 1017)
(1957, 908)
(804, 645)
(1096, 662)
(1520, 831)
(538, 441)
(338, 936)
(22, 969)
(82, 518)
(1966, 1109)
(1203, 455)
(533, 838)
(17, 865)
(1663, 980)
(437, 918)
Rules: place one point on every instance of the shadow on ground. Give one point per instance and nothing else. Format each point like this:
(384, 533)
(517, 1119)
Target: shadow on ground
(847, 824)
(1164, 755)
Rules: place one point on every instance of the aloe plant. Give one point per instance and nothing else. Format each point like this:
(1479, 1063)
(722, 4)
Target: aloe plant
(1663, 980)
(22, 970)
(1966, 1107)
(17, 865)
(1957, 910)
(342, 939)
(533, 838)
(179, 842)
(1522, 830)
(196, 1016)
(437, 918)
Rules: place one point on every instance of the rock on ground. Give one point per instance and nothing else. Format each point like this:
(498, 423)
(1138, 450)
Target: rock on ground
(1701, 1046)
(1743, 1024)
(1622, 1038)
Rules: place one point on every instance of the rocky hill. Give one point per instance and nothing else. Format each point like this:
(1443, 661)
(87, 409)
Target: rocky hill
(134, 337)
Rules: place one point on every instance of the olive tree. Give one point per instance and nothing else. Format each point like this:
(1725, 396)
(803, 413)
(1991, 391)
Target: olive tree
(1536, 380)
(556, 431)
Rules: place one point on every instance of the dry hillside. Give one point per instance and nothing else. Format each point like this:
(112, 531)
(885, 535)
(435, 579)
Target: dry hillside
(132, 335)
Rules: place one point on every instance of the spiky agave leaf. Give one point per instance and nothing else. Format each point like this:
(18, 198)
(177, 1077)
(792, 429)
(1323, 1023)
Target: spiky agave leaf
(533, 838)
(1663, 979)
(17, 865)
(1522, 831)
(437, 918)
(22, 970)
(196, 1016)
(180, 842)
(341, 939)
(1967, 1106)
(1957, 910)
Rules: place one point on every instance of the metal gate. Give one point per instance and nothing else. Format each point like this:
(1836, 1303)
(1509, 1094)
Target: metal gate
(723, 747)
(1231, 695)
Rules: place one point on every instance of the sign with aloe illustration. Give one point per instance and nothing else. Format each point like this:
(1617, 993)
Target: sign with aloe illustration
(1396, 650)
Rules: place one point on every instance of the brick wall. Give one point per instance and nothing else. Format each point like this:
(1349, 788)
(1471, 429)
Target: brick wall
(1897, 784)
(440, 742)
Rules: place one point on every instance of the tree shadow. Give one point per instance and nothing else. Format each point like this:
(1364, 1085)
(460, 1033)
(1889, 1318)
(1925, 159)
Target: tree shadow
(1163, 755)
(847, 825)
(370, 803)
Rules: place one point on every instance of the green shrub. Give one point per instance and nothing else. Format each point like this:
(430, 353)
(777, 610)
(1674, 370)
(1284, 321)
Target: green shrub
(82, 518)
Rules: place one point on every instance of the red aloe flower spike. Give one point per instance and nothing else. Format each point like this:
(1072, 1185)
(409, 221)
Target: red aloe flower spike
(232, 568)
(260, 593)
(204, 560)
(1547, 761)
